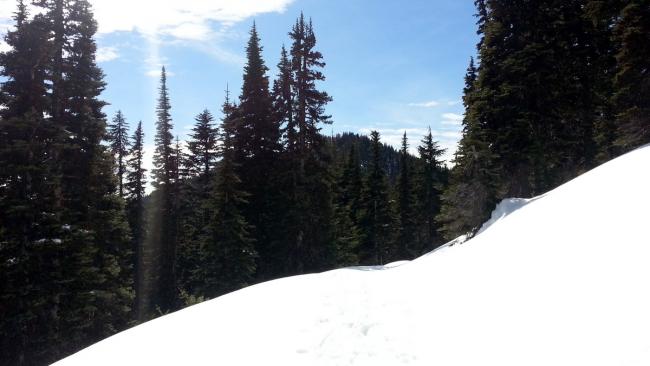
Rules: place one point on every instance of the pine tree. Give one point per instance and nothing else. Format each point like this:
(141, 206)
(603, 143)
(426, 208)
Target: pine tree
(135, 188)
(229, 248)
(376, 220)
(194, 199)
(308, 239)
(163, 233)
(406, 226)
(202, 146)
(429, 190)
(283, 100)
(257, 146)
(473, 189)
(119, 144)
(632, 80)
(30, 225)
(98, 260)
(347, 197)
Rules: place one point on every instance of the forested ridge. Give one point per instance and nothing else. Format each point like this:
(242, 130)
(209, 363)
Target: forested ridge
(258, 191)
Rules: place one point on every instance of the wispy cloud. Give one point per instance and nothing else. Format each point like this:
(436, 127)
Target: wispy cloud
(453, 119)
(429, 104)
(106, 54)
(435, 103)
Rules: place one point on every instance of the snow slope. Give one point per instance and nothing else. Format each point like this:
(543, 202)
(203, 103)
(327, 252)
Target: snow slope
(562, 280)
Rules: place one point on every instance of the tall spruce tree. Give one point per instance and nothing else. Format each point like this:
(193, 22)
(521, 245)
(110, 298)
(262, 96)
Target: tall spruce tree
(229, 250)
(347, 197)
(429, 188)
(194, 199)
(256, 147)
(632, 80)
(376, 222)
(30, 222)
(163, 234)
(406, 226)
(135, 184)
(118, 139)
(474, 183)
(308, 225)
(99, 260)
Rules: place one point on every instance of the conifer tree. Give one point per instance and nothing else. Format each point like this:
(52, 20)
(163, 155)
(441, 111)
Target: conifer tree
(406, 230)
(202, 146)
(473, 188)
(308, 227)
(632, 80)
(376, 220)
(164, 180)
(429, 190)
(346, 211)
(98, 245)
(30, 222)
(119, 143)
(256, 144)
(135, 189)
(229, 250)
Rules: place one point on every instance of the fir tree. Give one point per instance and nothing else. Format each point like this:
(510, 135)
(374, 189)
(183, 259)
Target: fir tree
(376, 221)
(135, 189)
(164, 230)
(429, 190)
(119, 144)
(229, 248)
(30, 222)
(346, 211)
(406, 230)
(308, 224)
(202, 146)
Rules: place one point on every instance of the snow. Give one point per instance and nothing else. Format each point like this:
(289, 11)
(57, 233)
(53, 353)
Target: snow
(558, 280)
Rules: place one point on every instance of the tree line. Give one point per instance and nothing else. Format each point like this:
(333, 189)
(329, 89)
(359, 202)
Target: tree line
(558, 88)
(86, 252)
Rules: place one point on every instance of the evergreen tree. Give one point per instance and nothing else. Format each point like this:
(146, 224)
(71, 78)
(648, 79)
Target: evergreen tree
(256, 144)
(30, 222)
(283, 100)
(119, 144)
(97, 298)
(163, 235)
(308, 225)
(632, 80)
(229, 248)
(429, 189)
(135, 188)
(202, 147)
(376, 220)
(473, 189)
(346, 211)
(406, 230)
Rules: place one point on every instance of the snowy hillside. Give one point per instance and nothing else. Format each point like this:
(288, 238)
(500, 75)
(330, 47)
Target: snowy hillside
(562, 280)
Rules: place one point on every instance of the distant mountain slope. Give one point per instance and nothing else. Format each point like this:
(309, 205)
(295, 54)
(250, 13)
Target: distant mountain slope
(561, 280)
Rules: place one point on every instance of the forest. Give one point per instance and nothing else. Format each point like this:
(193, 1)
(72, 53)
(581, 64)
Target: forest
(258, 192)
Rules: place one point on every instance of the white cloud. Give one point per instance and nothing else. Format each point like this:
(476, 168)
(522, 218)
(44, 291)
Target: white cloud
(429, 104)
(199, 23)
(452, 119)
(105, 54)
(184, 19)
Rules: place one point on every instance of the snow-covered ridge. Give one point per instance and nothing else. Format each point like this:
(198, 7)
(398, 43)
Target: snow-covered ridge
(561, 280)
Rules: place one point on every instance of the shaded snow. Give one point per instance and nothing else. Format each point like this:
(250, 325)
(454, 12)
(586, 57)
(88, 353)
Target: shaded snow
(561, 280)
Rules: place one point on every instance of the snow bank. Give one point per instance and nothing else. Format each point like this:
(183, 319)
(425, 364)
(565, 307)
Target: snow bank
(562, 280)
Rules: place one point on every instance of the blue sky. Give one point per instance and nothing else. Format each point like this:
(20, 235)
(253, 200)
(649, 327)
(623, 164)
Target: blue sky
(391, 65)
